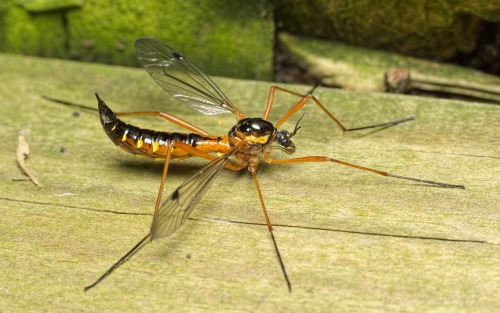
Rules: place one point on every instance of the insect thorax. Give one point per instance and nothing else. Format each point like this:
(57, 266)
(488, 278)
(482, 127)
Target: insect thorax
(256, 132)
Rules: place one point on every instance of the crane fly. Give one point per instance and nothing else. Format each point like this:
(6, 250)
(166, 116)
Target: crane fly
(248, 139)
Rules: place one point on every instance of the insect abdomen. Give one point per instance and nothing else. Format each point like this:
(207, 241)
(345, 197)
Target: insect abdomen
(151, 143)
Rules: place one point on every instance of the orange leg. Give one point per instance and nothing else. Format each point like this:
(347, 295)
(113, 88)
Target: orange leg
(296, 107)
(327, 159)
(202, 154)
(305, 99)
(270, 228)
(163, 177)
(170, 118)
(143, 241)
(167, 116)
(191, 150)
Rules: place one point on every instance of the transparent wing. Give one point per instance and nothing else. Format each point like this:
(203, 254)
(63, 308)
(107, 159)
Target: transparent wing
(174, 211)
(181, 78)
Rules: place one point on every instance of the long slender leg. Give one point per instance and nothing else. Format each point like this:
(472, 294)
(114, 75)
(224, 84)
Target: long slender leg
(190, 150)
(202, 154)
(163, 177)
(142, 242)
(270, 99)
(168, 117)
(327, 159)
(309, 96)
(270, 228)
(70, 104)
(124, 258)
(301, 103)
(386, 124)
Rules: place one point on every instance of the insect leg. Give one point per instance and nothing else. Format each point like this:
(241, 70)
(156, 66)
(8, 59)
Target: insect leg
(70, 104)
(141, 243)
(190, 150)
(202, 154)
(270, 98)
(124, 258)
(170, 118)
(167, 116)
(163, 177)
(327, 159)
(296, 107)
(270, 228)
(309, 96)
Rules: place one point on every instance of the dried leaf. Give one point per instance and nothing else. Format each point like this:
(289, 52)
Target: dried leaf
(22, 152)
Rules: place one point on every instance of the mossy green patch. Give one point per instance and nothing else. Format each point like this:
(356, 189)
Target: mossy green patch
(222, 37)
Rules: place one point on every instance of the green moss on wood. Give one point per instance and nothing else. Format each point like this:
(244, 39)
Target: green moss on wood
(222, 37)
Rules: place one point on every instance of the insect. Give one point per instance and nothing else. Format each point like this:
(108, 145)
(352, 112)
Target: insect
(245, 142)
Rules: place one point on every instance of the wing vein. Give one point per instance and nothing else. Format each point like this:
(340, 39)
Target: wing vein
(174, 211)
(182, 79)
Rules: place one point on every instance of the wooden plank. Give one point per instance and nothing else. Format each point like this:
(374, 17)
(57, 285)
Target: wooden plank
(351, 240)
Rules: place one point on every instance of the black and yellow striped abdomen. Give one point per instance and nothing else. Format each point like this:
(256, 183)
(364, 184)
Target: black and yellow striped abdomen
(152, 143)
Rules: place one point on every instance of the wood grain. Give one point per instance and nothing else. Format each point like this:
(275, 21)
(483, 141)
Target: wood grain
(351, 241)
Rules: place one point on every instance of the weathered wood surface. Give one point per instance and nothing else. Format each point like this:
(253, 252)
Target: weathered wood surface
(351, 241)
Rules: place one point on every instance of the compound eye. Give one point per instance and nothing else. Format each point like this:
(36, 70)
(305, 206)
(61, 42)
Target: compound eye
(283, 138)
